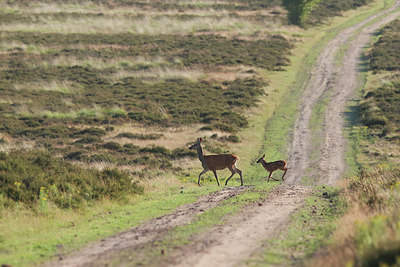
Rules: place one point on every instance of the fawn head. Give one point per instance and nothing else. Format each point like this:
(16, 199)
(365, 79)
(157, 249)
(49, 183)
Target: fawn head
(197, 144)
(260, 159)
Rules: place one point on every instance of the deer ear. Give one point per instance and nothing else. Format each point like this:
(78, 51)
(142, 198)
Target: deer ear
(200, 139)
(263, 156)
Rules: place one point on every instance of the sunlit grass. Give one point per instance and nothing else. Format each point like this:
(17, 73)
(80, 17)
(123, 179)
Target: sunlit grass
(160, 74)
(146, 25)
(20, 227)
(8, 47)
(95, 112)
(205, 8)
(64, 87)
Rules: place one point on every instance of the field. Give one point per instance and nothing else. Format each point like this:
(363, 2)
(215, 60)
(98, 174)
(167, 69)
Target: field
(100, 100)
(127, 96)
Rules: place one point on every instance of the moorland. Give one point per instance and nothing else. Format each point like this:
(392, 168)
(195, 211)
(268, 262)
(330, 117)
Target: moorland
(100, 100)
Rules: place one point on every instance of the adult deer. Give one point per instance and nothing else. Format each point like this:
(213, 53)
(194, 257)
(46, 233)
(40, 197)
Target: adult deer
(216, 162)
(273, 166)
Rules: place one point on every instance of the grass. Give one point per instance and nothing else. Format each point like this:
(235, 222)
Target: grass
(31, 238)
(309, 230)
(143, 25)
(368, 234)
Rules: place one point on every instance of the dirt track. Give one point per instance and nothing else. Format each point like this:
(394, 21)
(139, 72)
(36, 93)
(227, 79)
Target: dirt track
(232, 243)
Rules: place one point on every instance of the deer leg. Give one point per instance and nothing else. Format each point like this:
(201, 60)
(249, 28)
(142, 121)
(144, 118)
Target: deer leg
(216, 177)
(233, 172)
(203, 172)
(284, 174)
(240, 173)
(269, 176)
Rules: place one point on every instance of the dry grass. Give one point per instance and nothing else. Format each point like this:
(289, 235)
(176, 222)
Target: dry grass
(378, 79)
(369, 231)
(12, 144)
(173, 137)
(101, 63)
(343, 248)
(92, 8)
(64, 87)
(147, 25)
(156, 74)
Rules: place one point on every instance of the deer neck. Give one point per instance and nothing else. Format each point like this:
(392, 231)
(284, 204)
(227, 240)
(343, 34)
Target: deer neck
(264, 163)
(200, 153)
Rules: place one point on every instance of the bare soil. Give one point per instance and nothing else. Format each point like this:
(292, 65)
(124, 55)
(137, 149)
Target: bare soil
(234, 242)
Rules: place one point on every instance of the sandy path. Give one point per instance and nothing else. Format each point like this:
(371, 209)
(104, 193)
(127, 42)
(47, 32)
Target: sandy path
(341, 80)
(229, 244)
(232, 243)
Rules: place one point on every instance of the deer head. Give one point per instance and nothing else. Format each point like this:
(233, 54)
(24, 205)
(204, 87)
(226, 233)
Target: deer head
(197, 144)
(260, 159)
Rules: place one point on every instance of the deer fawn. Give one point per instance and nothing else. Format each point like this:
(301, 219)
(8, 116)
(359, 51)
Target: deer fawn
(273, 166)
(216, 162)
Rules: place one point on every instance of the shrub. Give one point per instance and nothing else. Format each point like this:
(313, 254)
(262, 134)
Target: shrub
(24, 175)
(140, 136)
(299, 10)
(380, 109)
(90, 132)
(384, 54)
(89, 140)
(330, 8)
(112, 146)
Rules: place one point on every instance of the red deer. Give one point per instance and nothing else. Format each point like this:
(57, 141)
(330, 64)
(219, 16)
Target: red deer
(273, 166)
(216, 162)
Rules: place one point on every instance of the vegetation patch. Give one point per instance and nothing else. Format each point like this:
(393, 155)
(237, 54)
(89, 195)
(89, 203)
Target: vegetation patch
(384, 54)
(380, 107)
(140, 136)
(330, 8)
(38, 181)
(370, 236)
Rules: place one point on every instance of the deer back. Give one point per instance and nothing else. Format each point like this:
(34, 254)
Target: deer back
(274, 165)
(219, 162)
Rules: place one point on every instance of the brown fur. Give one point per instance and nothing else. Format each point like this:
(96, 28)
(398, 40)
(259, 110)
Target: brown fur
(273, 166)
(216, 162)
(220, 162)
